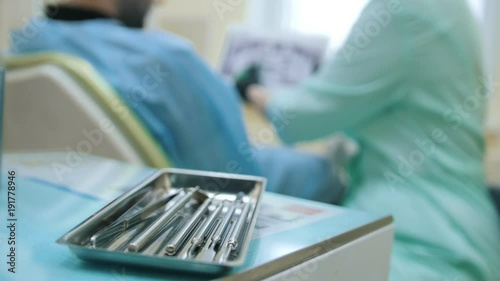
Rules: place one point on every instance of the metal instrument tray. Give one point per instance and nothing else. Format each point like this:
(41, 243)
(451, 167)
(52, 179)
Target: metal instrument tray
(226, 190)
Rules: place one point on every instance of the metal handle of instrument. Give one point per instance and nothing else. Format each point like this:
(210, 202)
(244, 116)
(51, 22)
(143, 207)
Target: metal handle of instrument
(139, 242)
(181, 236)
(233, 239)
(200, 234)
(217, 237)
(233, 245)
(122, 225)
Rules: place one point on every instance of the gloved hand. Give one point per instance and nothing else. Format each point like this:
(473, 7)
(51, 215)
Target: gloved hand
(248, 77)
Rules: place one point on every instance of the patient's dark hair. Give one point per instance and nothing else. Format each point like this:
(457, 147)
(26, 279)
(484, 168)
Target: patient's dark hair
(133, 12)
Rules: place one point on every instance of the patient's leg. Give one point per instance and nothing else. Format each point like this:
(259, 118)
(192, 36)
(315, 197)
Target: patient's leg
(300, 174)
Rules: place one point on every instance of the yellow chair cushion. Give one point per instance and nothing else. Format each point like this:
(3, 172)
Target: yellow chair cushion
(104, 95)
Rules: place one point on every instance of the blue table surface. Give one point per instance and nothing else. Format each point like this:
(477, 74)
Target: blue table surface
(45, 212)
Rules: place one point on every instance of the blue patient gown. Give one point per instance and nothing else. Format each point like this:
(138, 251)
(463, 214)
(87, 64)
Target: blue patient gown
(189, 110)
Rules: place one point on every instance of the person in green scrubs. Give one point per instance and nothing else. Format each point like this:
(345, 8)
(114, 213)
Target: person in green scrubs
(408, 85)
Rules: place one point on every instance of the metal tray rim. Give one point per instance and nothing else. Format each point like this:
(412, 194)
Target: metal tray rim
(209, 267)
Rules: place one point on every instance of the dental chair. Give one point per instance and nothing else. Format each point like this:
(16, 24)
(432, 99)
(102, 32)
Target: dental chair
(56, 102)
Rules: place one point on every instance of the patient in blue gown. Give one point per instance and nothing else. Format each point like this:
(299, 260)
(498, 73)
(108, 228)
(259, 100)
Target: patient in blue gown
(193, 114)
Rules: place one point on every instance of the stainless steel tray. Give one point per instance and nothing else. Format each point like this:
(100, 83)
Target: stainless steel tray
(228, 188)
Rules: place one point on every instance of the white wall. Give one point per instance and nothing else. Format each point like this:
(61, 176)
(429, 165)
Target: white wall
(204, 22)
(492, 50)
(13, 14)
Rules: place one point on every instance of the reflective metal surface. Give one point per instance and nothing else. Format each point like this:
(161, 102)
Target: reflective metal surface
(166, 223)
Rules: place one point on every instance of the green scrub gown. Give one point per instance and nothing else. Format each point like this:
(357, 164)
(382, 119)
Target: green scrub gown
(409, 86)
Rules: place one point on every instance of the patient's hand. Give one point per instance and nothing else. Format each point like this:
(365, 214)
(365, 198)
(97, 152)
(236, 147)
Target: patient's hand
(247, 78)
(258, 96)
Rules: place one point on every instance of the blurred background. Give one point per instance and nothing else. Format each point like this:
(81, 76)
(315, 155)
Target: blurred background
(206, 23)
